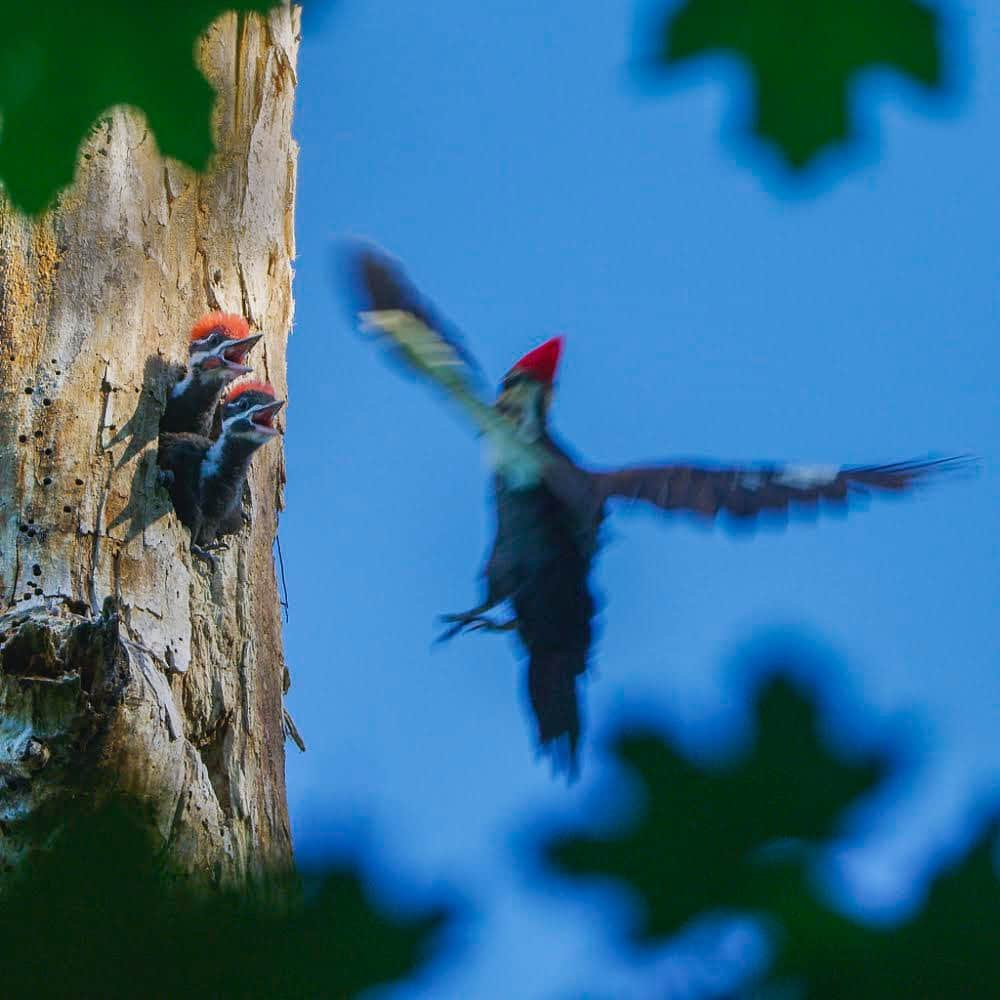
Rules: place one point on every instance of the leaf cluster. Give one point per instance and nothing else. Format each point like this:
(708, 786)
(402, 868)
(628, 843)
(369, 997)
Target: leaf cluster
(803, 59)
(64, 63)
(748, 836)
(99, 913)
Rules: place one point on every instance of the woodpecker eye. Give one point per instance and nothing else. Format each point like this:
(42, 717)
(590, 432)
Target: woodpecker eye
(208, 343)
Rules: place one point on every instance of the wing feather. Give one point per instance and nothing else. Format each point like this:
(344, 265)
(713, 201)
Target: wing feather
(743, 492)
(381, 293)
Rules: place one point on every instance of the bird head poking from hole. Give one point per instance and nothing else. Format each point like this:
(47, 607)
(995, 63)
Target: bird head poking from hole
(218, 346)
(249, 412)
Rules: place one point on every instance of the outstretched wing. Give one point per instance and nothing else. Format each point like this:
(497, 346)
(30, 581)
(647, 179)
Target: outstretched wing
(747, 491)
(390, 307)
(399, 316)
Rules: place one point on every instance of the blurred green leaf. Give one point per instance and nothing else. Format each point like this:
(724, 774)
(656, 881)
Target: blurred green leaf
(803, 56)
(100, 914)
(63, 63)
(692, 846)
(951, 948)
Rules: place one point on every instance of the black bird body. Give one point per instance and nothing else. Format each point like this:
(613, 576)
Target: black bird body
(540, 562)
(549, 509)
(180, 457)
(191, 406)
(206, 478)
(223, 478)
(206, 488)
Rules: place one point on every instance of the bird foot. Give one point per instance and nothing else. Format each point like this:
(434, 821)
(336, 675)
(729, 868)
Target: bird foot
(203, 553)
(472, 621)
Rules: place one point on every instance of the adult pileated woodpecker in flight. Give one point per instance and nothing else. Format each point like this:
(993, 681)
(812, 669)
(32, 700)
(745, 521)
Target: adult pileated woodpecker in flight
(206, 478)
(217, 347)
(549, 509)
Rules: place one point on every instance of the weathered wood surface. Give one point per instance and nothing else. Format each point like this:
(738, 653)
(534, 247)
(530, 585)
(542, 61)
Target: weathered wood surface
(123, 662)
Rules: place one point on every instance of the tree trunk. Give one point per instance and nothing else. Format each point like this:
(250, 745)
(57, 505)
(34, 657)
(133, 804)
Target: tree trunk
(124, 664)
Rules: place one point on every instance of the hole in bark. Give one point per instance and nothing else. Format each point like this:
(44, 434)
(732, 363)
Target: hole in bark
(31, 532)
(36, 570)
(47, 481)
(48, 451)
(27, 596)
(31, 520)
(46, 402)
(22, 438)
(28, 390)
(79, 482)
(38, 434)
(69, 510)
(31, 652)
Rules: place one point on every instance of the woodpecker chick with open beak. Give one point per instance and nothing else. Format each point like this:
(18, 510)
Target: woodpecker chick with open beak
(218, 346)
(207, 478)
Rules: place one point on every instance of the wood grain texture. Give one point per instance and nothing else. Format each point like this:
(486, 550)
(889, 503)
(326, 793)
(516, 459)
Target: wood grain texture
(183, 699)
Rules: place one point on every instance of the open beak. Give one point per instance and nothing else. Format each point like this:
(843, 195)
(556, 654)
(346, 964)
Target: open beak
(262, 417)
(232, 352)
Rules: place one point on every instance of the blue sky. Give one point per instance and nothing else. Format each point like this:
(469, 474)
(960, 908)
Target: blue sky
(505, 153)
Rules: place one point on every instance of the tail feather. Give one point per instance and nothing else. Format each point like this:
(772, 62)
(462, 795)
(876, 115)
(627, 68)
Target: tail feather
(556, 708)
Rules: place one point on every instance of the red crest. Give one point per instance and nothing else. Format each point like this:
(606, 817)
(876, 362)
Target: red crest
(542, 361)
(262, 387)
(233, 326)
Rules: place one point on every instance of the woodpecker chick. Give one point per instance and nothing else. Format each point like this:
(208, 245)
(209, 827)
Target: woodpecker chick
(217, 347)
(206, 478)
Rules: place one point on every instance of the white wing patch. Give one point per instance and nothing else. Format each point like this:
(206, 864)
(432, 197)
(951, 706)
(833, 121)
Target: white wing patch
(806, 477)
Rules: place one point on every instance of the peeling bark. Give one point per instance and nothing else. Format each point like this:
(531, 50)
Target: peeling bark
(124, 663)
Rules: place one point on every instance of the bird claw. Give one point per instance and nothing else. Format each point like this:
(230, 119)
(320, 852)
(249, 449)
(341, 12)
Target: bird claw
(203, 553)
(469, 621)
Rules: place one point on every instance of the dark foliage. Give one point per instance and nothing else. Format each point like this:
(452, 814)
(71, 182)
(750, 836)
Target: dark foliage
(688, 850)
(804, 57)
(748, 836)
(99, 914)
(64, 63)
